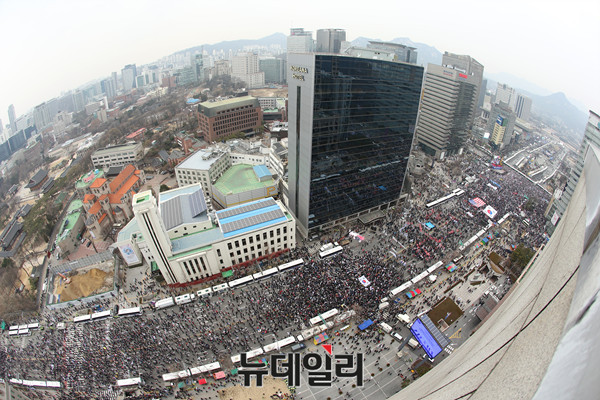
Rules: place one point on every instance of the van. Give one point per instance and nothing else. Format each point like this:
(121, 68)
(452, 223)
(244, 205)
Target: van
(298, 347)
(396, 336)
(386, 328)
(413, 343)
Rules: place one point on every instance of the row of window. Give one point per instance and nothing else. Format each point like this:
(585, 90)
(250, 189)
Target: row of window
(251, 239)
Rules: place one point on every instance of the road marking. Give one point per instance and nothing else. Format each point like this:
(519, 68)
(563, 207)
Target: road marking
(456, 335)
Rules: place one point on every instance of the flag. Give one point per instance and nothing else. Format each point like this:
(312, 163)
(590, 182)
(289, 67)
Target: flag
(364, 281)
(490, 211)
(477, 202)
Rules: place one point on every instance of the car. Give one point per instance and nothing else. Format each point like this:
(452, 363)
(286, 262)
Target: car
(88, 243)
(298, 347)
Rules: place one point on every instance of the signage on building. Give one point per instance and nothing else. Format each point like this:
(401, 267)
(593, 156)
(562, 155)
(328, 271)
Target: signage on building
(298, 71)
(463, 76)
(500, 120)
(129, 255)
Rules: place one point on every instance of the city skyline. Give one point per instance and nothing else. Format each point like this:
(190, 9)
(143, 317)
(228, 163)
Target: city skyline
(55, 47)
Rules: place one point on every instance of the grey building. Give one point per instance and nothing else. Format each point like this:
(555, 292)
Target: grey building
(523, 107)
(300, 41)
(445, 117)
(590, 136)
(403, 53)
(128, 75)
(12, 118)
(482, 92)
(330, 40)
(471, 67)
(274, 69)
(351, 127)
(501, 125)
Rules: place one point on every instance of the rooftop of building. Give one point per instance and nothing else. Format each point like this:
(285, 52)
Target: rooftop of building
(87, 179)
(184, 205)
(201, 159)
(212, 108)
(73, 213)
(250, 216)
(117, 147)
(120, 179)
(37, 178)
(241, 178)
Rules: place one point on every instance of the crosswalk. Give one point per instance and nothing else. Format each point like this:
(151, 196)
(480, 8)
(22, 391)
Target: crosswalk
(449, 349)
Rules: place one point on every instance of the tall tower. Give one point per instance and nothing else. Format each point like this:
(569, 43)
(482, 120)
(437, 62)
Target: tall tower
(128, 75)
(12, 118)
(523, 107)
(351, 126)
(330, 40)
(470, 67)
(449, 96)
(300, 41)
(153, 230)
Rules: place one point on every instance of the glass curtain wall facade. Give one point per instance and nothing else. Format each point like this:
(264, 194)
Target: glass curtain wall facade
(364, 113)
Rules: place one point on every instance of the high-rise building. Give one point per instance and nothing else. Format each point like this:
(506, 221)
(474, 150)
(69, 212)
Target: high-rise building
(41, 116)
(506, 94)
(108, 88)
(351, 127)
(78, 101)
(590, 136)
(198, 65)
(482, 92)
(128, 75)
(501, 124)
(330, 40)
(300, 41)
(12, 118)
(449, 96)
(403, 53)
(244, 66)
(523, 107)
(470, 67)
(273, 68)
(115, 81)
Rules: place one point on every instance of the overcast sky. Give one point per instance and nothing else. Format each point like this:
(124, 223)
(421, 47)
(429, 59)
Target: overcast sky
(48, 47)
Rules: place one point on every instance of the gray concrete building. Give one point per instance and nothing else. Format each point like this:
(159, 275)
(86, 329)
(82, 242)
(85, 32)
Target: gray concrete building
(470, 67)
(330, 40)
(449, 96)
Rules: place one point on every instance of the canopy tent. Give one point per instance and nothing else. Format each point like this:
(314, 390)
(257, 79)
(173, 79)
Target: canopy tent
(234, 371)
(451, 267)
(365, 325)
(320, 338)
(429, 225)
(219, 375)
(413, 293)
(180, 385)
(202, 381)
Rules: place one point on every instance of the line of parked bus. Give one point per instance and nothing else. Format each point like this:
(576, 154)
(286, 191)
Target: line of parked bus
(22, 330)
(97, 316)
(455, 193)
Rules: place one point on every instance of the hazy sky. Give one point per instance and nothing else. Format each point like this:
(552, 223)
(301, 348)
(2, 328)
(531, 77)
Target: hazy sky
(48, 47)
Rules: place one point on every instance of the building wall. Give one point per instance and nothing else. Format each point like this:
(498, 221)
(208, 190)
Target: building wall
(118, 156)
(235, 120)
(188, 176)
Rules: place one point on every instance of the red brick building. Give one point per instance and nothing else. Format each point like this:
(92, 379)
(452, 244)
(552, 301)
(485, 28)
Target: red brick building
(219, 119)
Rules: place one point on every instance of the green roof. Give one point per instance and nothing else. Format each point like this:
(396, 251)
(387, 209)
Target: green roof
(73, 214)
(142, 199)
(87, 179)
(240, 178)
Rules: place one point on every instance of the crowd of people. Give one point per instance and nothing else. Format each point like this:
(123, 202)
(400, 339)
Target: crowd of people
(88, 358)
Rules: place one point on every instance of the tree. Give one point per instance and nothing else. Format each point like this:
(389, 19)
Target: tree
(8, 262)
(164, 188)
(521, 256)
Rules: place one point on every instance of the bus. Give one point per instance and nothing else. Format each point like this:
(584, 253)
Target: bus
(204, 292)
(164, 303)
(100, 315)
(34, 325)
(241, 281)
(290, 265)
(82, 318)
(322, 317)
(184, 299)
(269, 272)
(331, 252)
(457, 259)
(220, 287)
(130, 312)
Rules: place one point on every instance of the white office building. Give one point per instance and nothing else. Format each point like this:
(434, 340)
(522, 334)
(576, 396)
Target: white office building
(122, 154)
(189, 243)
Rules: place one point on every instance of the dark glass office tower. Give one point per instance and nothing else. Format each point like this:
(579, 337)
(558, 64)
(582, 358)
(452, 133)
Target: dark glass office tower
(351, 127)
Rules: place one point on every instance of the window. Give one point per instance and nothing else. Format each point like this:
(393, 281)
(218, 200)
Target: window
(229, 246)
(271, 233)
(278, 231)
(251, 239)
(264, 235)
(284, 229)
(244, 242)
(239, 252)
(219, 252)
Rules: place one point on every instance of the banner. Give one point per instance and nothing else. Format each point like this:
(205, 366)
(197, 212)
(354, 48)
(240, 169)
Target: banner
(364, 281)
(129, 255)
(490, 211)
(477, 202)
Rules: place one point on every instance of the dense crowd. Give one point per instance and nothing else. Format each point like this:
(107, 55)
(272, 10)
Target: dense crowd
(88, 358)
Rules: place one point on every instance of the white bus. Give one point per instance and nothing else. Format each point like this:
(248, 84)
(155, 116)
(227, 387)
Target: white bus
(184, 299)
(330, 252)
(34, 325)
(100, 315)
(241, 281)
(204, 292)
(290, 265)
(322, 317)
(130, 312)
(220, 287)
(269, 272)
(400, 289)
(82, 318)
(23, 332)
(164, 303)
